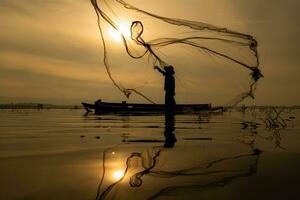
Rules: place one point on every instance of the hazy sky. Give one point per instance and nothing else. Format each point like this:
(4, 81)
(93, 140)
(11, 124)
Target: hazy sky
(51, 49)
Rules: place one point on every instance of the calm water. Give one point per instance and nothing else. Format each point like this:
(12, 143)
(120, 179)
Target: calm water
(62, 154)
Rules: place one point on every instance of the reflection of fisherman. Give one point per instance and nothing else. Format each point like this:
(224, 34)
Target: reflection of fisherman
(168, 72)
(169, 130)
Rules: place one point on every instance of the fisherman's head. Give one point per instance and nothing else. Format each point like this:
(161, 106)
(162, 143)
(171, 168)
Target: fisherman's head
(169, 70)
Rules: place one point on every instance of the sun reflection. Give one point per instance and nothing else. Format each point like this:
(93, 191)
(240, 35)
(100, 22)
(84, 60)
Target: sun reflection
(117, 175)
(122, 29)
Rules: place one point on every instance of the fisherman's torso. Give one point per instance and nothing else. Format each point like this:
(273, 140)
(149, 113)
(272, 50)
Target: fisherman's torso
(170, 84)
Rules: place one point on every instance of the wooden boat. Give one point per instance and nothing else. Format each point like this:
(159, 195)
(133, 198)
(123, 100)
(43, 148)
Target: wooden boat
(100, 107)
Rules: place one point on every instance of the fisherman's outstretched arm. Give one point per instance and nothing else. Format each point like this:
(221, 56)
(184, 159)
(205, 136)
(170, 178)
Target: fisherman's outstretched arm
(160, 70)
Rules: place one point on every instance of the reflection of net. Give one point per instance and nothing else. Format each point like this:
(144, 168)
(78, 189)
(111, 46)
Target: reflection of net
(158, 172)
(235, 48)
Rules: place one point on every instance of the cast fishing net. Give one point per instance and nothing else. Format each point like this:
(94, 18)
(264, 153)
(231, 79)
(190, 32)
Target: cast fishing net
(212, 64)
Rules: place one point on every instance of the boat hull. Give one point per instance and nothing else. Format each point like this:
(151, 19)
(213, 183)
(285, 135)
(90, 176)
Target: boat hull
(105, 107)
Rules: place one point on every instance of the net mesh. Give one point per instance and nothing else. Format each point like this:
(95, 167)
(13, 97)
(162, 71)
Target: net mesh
(212, 64)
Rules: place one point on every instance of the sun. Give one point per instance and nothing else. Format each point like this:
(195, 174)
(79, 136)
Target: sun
(117, 175)
(122, 29)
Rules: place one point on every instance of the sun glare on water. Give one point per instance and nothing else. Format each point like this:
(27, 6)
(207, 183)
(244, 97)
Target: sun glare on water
(123, 29)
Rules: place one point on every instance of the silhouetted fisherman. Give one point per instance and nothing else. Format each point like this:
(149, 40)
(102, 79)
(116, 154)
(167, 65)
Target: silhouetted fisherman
(168, 72)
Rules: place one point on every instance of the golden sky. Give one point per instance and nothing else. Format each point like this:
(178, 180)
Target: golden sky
(52, 50)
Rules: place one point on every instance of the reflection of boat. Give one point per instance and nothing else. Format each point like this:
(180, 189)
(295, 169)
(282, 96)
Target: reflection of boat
(100, 107)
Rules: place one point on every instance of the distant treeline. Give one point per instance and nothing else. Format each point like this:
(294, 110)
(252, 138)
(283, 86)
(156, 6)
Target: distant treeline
(37, 106)
(50, 106)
